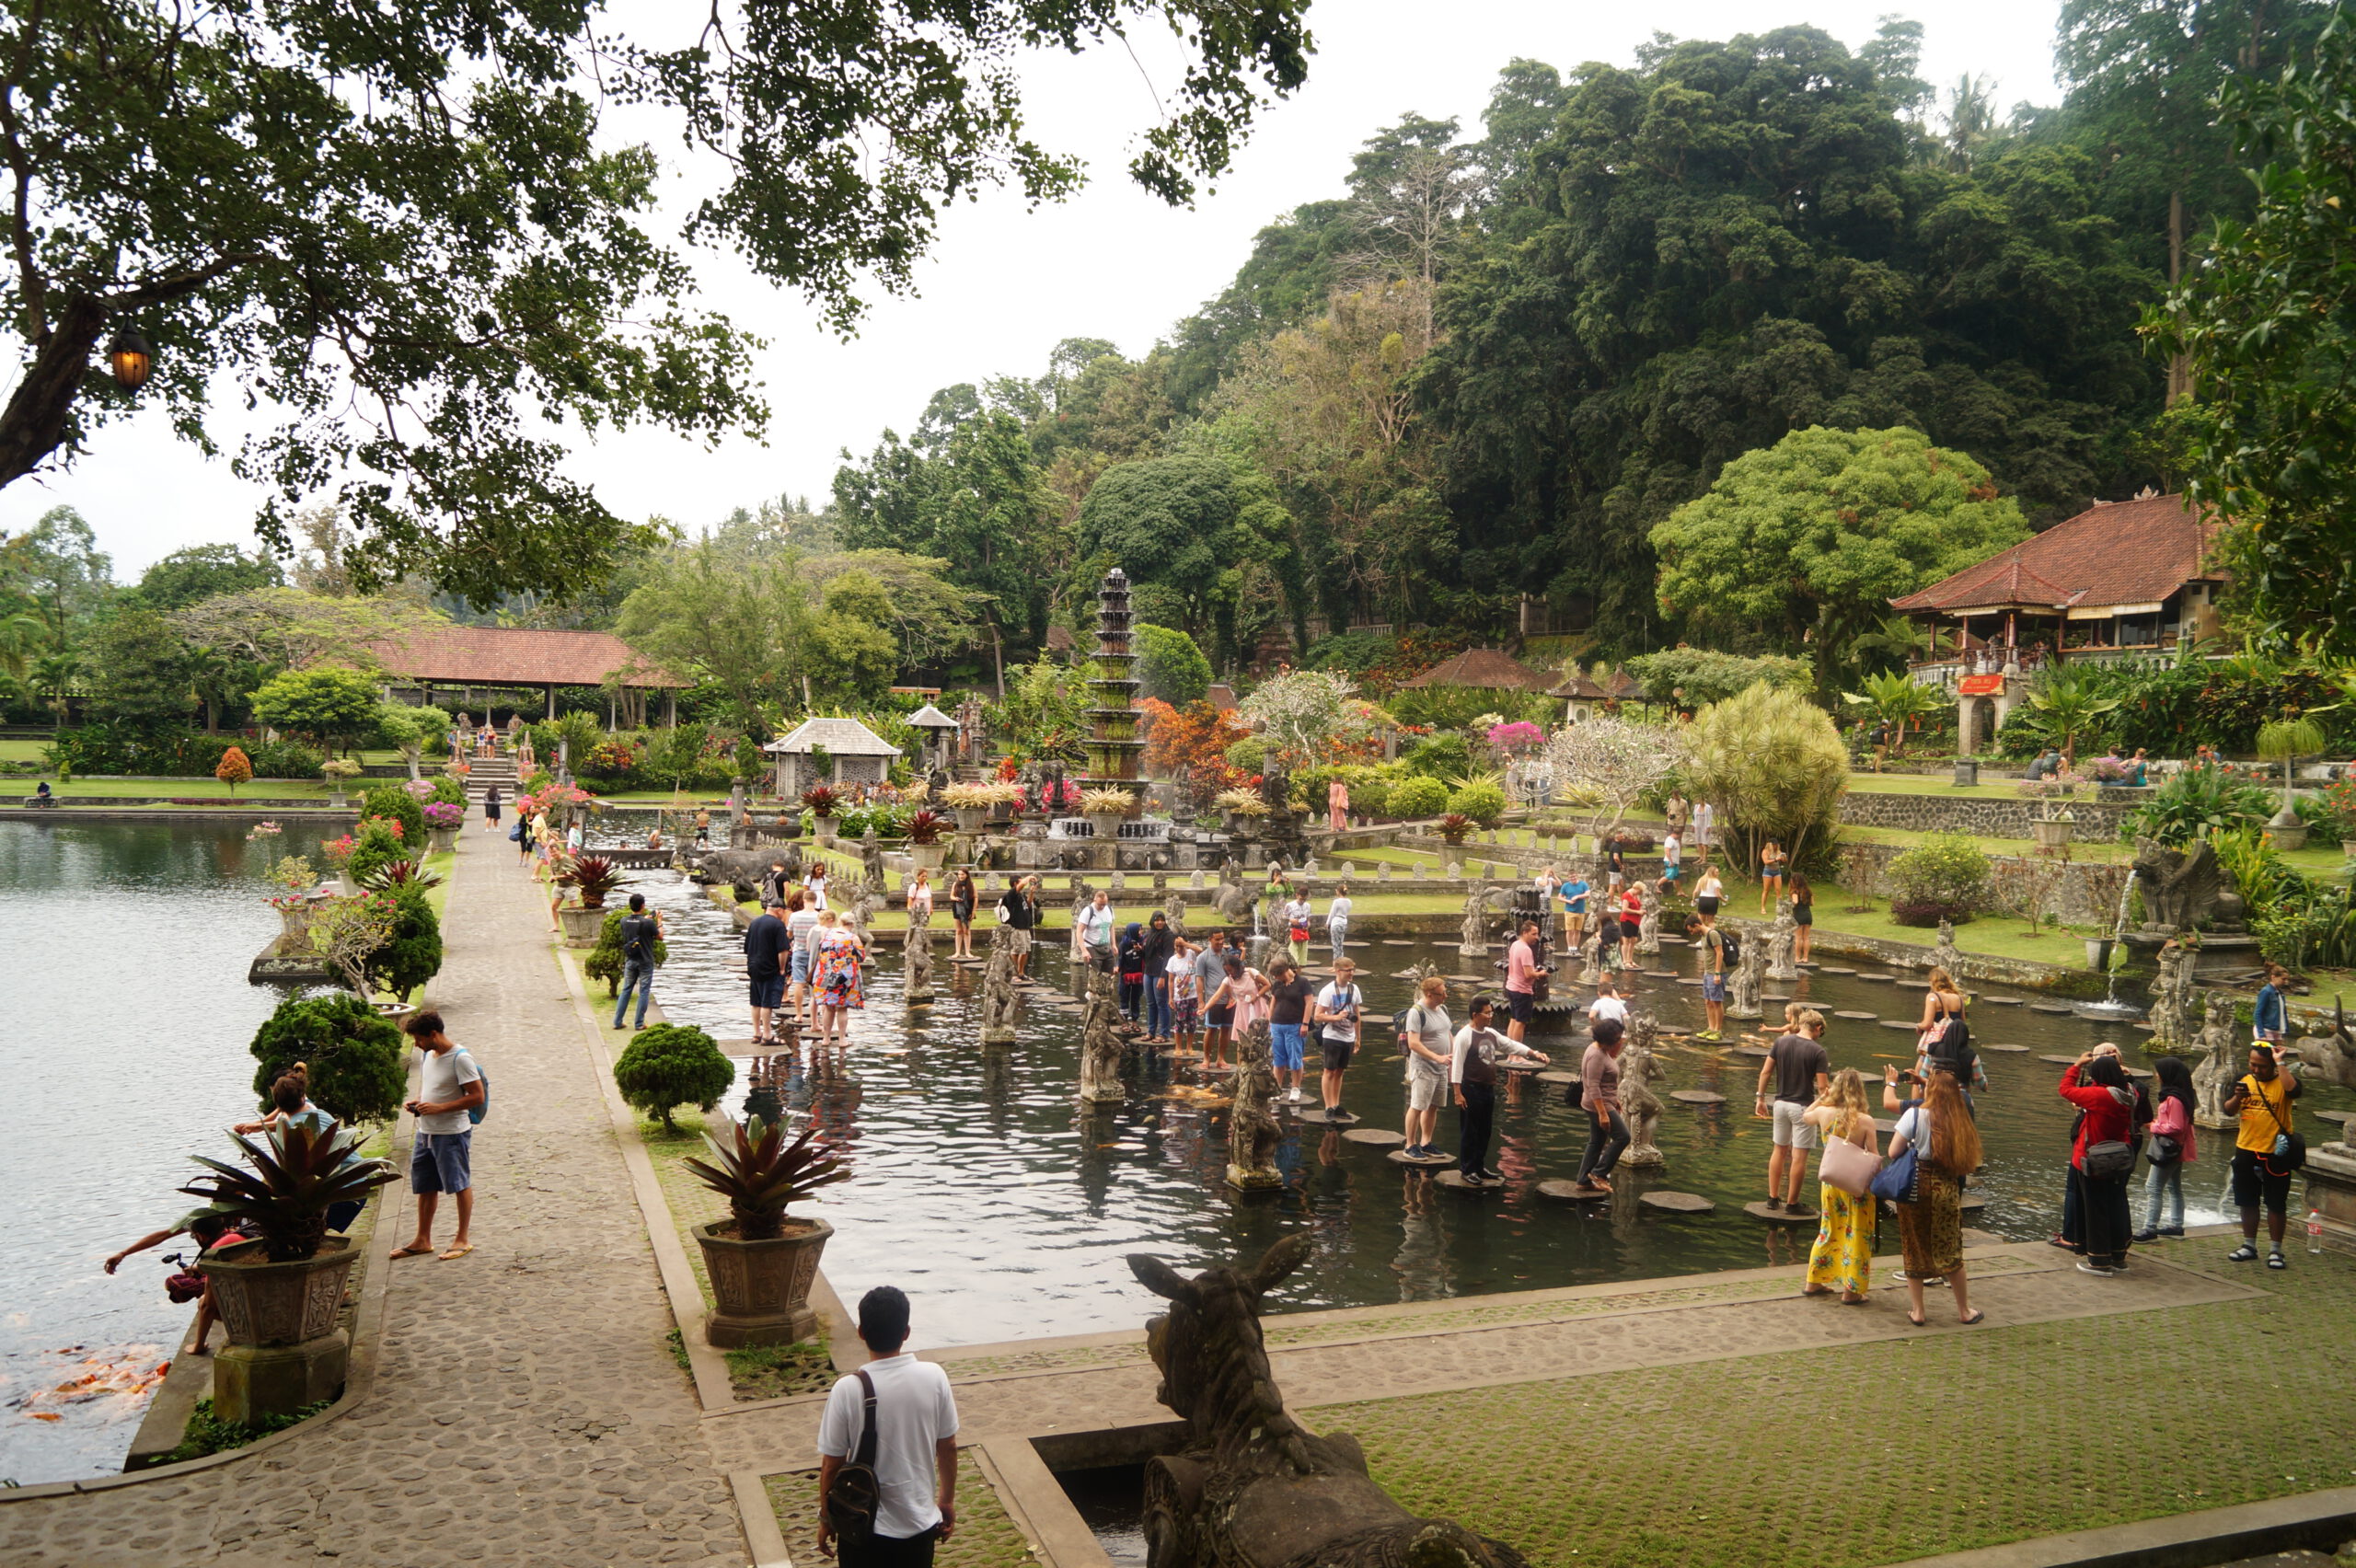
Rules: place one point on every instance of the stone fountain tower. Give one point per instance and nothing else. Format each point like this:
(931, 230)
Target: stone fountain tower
(1114, 748)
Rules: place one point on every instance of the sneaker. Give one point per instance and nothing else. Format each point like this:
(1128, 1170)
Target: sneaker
(2102, 1269)
(2147, 1236)
(1774, 1205)
(1799, 1211)
(2245, 1253)
(1335, 1113)
(1499, 1176)
(2175, 1230)
(2275, 1260)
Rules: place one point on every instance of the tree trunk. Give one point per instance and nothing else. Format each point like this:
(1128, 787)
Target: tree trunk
(2179, 367)
(33, 425)
(998, 657)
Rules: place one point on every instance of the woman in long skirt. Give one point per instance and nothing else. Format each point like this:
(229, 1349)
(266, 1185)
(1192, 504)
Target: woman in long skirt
(836, 955)
(1842, 1258)
(1930, 1229)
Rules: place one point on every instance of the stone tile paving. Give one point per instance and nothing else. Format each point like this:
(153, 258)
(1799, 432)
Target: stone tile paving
(526, 1411)
(1902, 1447)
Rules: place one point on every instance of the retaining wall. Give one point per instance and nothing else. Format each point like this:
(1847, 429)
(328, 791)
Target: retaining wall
(2085, 893)
(1978, 815)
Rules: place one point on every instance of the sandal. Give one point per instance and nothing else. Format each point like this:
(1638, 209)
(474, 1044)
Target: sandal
(457, 1249)
(1856, 1301)
(1975, 1317)
(1815, 1290)
(411, 1250)
(2245, 1253)
(1918, 1323)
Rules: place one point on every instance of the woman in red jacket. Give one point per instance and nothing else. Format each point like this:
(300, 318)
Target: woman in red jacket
(2097, 1086)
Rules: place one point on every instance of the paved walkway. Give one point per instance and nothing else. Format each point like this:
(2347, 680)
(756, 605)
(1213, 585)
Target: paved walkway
(526, 1409)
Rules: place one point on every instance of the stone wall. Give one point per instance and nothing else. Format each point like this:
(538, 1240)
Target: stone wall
(2088, 894)
(1978, 815)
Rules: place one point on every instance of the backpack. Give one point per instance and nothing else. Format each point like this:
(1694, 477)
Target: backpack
(475, 1112)
(638, 938)
(1952, 1049)
(855, 1493)
(1729, 948)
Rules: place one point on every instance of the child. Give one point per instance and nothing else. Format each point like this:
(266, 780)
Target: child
(1185, 994)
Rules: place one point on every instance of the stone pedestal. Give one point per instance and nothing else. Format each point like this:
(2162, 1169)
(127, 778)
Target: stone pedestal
(2331, 1191)
(251, 1382)
(1265, 1179)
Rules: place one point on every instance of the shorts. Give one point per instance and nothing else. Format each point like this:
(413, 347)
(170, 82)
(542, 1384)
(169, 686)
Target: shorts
(2252, 1183)
(1802, 915)
(1221, 1017)
(1018, 939)
(1185, 1017)
(1714, 988)
(1521, 1005)
(801, 967)
(1426, 1088)
(440, 1162)
(1707, 904)
(1284, 1047)
(1791, 1129)
(1337, 1053)
(1669, 873)
(767, 991)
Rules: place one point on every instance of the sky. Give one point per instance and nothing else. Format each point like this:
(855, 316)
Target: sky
(1004, 285)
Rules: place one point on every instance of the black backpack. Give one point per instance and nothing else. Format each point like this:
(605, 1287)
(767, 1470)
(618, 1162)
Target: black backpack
(1729, 948)
(853, 1498)
(638, 938)
(1952, 1049)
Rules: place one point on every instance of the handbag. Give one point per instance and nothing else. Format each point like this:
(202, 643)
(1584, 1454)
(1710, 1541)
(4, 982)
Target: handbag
(2165, 1151)
(853, 1500)
(2289, 1147)
(1848, 1168)
(1901, 1179)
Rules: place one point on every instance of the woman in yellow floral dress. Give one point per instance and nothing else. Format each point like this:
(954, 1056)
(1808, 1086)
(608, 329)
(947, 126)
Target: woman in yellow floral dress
(1842, 1258)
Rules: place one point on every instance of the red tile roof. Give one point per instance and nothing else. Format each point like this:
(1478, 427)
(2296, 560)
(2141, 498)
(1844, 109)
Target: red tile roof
(1622, 688)
(497, 655)
(1485, 668)
(2121, 552)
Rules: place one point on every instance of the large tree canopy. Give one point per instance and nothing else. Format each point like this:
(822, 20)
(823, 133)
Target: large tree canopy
(1186, 530)
(407, 227)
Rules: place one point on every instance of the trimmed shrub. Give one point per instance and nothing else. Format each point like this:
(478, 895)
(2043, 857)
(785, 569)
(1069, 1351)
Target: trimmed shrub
(1418, 796)
(286, 759)
(669, 1066)
(1944, 879)
(374, 846)
(1168, 665)
(357, 1069)
(392, 800)
(414, 954)
(605, 960)
(1481, 800)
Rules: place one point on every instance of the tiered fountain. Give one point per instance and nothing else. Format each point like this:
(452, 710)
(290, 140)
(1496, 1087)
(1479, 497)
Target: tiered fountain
(1124, 842)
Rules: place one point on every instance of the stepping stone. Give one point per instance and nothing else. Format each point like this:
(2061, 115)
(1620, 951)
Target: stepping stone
(2058, 1061)
(1753, 1051)
(1775, 996)
(1398, 942)
(1907, 1025)
(2008, 1048)
(1556, 1075)
(1217, 1069)
(2342, 1117)
(1913, 985)
(1515, 1065)
(2000, 1001)
(1855, 1016)
(2138, 1072)
(1972, 1203)
(1981, 1238)
(1420, 1161)
(2054, 1007)
(1694, 980)
(1696, 1096)
(2145, 1027)
(1375, 1137)
(1678, 1203)
(1862, 975)
(1317, 1116)
(1658, 973)
(1833, 969)
(1777, 1216)
(1453, 1178)
(1567, 1191)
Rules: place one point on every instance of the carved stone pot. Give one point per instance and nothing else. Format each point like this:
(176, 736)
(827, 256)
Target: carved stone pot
(442, 840)
(762, 1289)
(824, 828)
(294, 922)
(582, 925)
(2049, 834)
(265, 1303)
(926, 857)
(970, 818)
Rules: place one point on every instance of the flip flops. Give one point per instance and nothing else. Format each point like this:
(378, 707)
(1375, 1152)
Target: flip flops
(457, 1249)
(411, 1250)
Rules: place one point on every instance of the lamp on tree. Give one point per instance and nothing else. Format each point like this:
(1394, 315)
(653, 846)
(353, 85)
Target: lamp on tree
(131, 358)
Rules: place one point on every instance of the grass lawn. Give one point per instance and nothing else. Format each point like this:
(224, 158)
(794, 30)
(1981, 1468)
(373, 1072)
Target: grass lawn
(204, 789)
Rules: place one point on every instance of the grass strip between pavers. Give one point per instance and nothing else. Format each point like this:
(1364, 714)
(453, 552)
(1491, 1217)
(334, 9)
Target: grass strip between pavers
(985, 1537)
(1894, 1450)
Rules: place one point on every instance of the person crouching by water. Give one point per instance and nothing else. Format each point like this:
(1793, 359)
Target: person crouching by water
(1930, 1227)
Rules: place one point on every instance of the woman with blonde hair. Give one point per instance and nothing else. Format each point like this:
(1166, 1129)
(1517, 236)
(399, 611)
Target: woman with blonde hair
(1842, 1258)
(1772, 864)
(1930, 1226)
(836, 955)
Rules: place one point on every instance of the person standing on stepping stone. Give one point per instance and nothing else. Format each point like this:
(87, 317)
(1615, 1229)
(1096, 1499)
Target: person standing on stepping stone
(1337, 919)
(1606, 1134)
(1185, 994)
(1473, 1072)
(1017, 911)
(1701, 930)
(1336, 1011)
(1798, 1065)
(1289, 997)
(1426, 1042)
(1522, 973)
(765, 947)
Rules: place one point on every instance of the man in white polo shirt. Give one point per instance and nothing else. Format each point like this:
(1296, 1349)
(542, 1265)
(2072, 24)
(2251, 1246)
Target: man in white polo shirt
(915, 1453)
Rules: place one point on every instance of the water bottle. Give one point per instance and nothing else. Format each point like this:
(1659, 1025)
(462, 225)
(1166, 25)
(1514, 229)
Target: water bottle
(2315, 1232)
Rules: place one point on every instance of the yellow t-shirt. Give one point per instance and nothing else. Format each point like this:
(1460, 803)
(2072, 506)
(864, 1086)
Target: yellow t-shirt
(2259, 1127)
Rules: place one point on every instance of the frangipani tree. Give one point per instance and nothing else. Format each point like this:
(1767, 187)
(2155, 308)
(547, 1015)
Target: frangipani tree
(1300, 710)
(1617, 760)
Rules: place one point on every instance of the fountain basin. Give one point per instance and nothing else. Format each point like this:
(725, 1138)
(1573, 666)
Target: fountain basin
(2219, 956)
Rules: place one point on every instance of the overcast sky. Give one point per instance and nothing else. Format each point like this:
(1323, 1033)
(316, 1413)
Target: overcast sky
(1003, 285)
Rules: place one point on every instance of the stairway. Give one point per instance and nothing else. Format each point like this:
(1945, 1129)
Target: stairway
(486, 771)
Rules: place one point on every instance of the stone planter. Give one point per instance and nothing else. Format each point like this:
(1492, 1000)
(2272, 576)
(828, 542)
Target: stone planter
(2288, 837)
(970, 818)
(581, 925)
(335, 797)
(824, 828)
(294, 927)
(762, 1289)
(1105, 826)
(285, 1349)
(2049, 833)
(2098, 954)
(1966, 772)
(2348, 847)
(441, 841)
(926, 857)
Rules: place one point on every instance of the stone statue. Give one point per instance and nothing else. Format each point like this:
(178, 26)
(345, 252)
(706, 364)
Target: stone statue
(1232, 902)
(1944, 954)
(2330, 1059)
(1253, 1489)
(1474, 942)
(871, 860)
(1250, 1129)
(2223, 1060)
(1099, 1042)
(1783, 940)
(1415, 974)
(1195, 880)
(864, 900)
(998, 991)
(2182, 889)
(1276, 787)
(1591, 955)
(2176, 1001)
(1639, 1070)
(1175, 907)
(1745, 983)
(1648, 923)
(1382, 870)
(916, 948)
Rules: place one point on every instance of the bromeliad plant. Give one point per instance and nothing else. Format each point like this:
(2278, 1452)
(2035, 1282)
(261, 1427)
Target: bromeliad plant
(591, 876)
(401, 873)
(927, 826)
(820, 799)
(1454, 826)
(297, 1175)
(759, 1174)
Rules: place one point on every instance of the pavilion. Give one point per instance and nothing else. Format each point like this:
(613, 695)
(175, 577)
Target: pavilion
(854, 754)
(1483, 669)
(480, 660)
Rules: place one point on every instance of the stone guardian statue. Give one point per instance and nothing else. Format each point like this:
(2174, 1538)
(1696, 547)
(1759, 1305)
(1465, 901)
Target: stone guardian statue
(1100, 1048)
(998, 991)
(1250, 1129)
(1639, 1070)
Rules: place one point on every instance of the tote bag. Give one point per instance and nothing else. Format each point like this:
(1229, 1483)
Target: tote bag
(1848, 1168)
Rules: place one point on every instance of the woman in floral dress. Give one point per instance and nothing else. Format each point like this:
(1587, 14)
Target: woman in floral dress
(1842, 1258)
(836, 955)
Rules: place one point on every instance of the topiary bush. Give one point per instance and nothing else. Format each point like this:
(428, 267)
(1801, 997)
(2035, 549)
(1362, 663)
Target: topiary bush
(1418, 796)
(398, 804)
(1482, 802)
(414, 954)
(374, 846)
(446, 789)
(357, 1073)
(669, 1066)
(1943, 878)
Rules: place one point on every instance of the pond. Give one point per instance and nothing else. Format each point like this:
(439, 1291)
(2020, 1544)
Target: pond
(126, 1051)
(984, 1190)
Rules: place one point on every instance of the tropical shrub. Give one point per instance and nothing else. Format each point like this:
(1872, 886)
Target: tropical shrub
(286, 759)
(605, 960)
(354, 1056)
(413, 953)
(759, 1174)
(1774, 765)
(374, 847)
(1695, 678)
(234, 769)
(1945, 878)
(669, 1066)
(2197, 803)
(392, 800)
(1482, 802)
(1421, 796)
(450, 792)
(1206, 747)
(1454, 826)
(1441, 757)
(1169, 665)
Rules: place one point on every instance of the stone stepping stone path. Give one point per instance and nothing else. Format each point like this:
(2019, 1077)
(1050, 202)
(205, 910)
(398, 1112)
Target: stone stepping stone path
(2000, 1001)
(2054, 1007)
(1863, 975)
(1217, 1069)
(1678, 1203)
(1777, 1216)
(1855, 1016)
(1375, 1137)
(1658, 973)
(1452, 1178)
(1831, 969)
(1564, 1189)
(1317, 1116)
(1420, 1161)
(1696, 1096)
(1556, 1075)
(1775, 996)
(1913, 985)
(1972, 1203)
(1904, 1023)
(1755, 1050)
(2342, 1117)
(1398, 942)
(1694, 980)
(2007, 1048)
(2057, 1061)
(1516, 1065)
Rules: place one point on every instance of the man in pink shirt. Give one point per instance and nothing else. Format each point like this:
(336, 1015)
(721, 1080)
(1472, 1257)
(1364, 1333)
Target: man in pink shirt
(1522, 972)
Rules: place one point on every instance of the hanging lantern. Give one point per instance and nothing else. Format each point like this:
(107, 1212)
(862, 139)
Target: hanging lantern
(131, 358)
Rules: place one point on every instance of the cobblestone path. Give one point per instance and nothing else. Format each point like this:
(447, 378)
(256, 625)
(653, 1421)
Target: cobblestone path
(527, 1411)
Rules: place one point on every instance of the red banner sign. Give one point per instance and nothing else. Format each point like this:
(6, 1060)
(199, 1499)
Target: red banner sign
(1980, 686)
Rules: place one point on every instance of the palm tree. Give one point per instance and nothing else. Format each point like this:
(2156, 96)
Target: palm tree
(22, 637)
(1895, 698)
(2070, 707)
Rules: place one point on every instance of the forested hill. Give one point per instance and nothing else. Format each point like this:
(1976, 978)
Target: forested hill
(1497, 361)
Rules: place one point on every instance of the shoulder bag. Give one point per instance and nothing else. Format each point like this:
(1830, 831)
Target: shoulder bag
(1899, 1179)
(1847, 1167)
(2290, 1148)
(853, 1500)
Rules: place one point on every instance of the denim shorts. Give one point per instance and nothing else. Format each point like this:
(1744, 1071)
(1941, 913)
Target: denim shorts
(1714, 988)
(767, 991)
(440, 1162)
(1284, 1046)
(801, 967)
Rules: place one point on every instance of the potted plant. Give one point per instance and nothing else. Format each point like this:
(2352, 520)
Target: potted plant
(970, 804)
(1454, 826)
(279, 1292)
(443, 821)
(338, 771)
(924, 829)
(592, 877)
(2285, 740)
(760, 1262)
(297, 884)
(1238, 809)
(820, 799)
(2051, 828)
(1104, 808)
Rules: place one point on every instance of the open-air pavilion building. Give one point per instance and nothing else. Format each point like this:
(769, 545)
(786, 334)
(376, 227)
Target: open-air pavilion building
(485, 667)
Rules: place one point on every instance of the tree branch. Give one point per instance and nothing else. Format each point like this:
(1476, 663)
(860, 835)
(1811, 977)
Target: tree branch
(20, 234)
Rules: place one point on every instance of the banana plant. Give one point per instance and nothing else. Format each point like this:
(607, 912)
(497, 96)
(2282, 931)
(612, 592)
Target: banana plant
(1896, 698)
(2070, 707)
